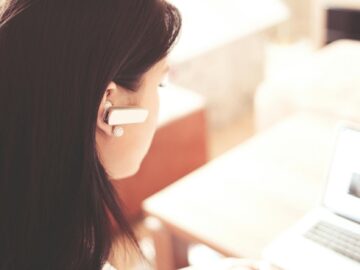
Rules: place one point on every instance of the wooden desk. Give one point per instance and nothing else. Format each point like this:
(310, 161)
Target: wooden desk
(239, 202)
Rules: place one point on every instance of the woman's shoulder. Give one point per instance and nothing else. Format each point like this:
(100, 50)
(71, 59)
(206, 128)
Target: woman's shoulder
(108, 266)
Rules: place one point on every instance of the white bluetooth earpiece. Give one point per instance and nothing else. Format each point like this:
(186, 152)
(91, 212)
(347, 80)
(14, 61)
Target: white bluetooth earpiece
(125, 115)
(115, 116)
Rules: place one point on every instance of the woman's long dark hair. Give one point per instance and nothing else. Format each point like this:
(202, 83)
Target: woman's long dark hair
(56, 59)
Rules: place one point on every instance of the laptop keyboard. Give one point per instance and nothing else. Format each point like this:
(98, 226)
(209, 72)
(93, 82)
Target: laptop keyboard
(340, 240)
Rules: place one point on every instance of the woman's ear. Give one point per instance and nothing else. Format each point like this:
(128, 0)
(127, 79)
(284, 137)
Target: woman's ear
(109, 95)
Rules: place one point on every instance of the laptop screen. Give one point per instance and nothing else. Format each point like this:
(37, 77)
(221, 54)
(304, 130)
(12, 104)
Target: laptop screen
(354, 188)
(343, 191)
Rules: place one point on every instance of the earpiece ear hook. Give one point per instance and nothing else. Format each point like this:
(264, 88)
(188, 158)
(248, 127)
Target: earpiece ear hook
(107, 105)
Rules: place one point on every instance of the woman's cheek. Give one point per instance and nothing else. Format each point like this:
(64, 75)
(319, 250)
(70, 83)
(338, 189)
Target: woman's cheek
(154, 114)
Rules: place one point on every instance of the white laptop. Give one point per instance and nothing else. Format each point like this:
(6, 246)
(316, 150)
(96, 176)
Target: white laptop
(328, 237)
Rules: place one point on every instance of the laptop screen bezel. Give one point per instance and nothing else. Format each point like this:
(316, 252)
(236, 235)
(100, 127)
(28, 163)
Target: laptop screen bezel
(336, 196)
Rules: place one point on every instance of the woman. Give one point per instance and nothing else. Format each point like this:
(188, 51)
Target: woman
(62, 62)
(64, 65)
